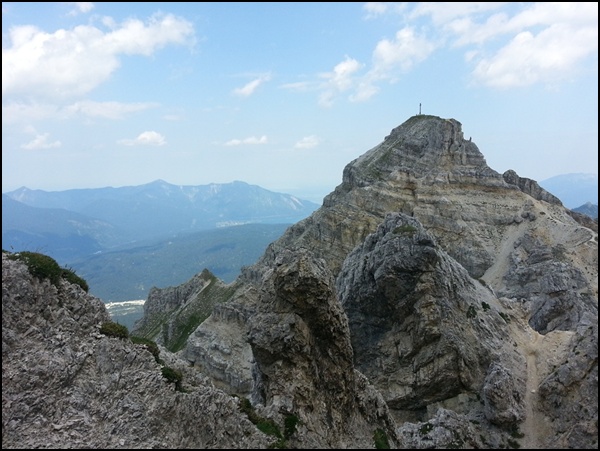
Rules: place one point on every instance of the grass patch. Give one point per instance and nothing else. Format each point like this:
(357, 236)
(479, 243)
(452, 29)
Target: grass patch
(173, 376)
(381, 440)
(112, 329)
(150, 346)
(426, 429)
(471, 311)
(44, 267)
(268, 426)
(504, 316)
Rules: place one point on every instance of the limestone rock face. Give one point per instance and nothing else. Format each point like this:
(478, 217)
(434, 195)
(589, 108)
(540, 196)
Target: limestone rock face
(422, 329)
(301, 345)
(65, 385)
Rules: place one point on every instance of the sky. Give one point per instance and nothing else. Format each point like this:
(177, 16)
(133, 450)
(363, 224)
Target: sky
(285, 95)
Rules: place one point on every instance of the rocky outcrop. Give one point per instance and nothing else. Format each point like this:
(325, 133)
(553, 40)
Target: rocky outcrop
(171, 314)
(300, 341)
(530, 187)
(65, 385)
(417, 320)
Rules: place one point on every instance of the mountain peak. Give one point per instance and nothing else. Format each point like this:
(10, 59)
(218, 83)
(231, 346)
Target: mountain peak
(422, 146)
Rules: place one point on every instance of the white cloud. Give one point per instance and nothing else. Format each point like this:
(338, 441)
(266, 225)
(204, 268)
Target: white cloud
(506, 44)
(308, 142)
(69, 63)
(364, 91)
(41, 142)
(18, 112)
(390, 58)
(442, 13)
(547, 57)
(148, 138)
(250, 140)
(403, 52)
(249, 88)
(375, 9)
(301, 86)
(339, 80)
(80, 7)
(107, 110)
(542, 42)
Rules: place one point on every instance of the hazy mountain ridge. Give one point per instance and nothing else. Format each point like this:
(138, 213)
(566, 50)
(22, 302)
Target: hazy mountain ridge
(65, 235)
(573, 190)
(101, 232)
(159, 209)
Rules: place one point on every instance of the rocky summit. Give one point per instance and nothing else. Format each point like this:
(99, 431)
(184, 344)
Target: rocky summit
(431, 302)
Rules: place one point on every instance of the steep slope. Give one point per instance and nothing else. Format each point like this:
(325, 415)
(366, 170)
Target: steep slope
(65, 385)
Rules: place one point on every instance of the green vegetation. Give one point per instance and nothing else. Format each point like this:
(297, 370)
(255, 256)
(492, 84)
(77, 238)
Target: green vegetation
(471, 311)
(504, 316)
(176, 325)
(513, 444)
(44, 267)
(289, 425)
(426, 429)
(187, 320)
(111, 329)
(150, 346)
(515, 432)
(485, 306)
(174, 376)
(268, 426)
(70, 276)
(380, 439)
(185, 330)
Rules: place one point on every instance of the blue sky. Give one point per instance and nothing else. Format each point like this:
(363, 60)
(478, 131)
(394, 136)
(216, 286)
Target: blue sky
(284, 95)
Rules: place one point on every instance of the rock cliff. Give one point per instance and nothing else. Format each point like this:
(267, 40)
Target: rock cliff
(66, 385)
(431, 302)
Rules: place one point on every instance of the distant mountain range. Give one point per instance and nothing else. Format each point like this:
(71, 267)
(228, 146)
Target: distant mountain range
(125, 240)
(73, 224)
(574, 190)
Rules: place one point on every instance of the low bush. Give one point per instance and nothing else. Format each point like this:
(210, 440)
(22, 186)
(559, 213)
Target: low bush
(44, 267)
(381, 440)
(112, 329)
(174, 376)
(150, 345)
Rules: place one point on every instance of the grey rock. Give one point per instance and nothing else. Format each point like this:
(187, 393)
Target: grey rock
(64, 385)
